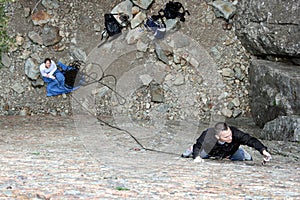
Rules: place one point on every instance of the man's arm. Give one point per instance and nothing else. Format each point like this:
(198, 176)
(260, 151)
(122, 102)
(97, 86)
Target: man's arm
(246, 139)
(198, 145)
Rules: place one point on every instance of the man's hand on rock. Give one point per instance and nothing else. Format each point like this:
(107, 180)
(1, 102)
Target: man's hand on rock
(267, 157)
(198, 159)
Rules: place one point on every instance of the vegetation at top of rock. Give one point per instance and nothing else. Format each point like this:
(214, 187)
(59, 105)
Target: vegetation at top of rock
(4, 38)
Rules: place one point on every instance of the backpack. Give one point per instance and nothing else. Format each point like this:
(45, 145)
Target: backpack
(73, 76)
(112, 26)
(172, 10)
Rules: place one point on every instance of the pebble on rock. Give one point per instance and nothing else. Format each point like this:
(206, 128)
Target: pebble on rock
(40, 17)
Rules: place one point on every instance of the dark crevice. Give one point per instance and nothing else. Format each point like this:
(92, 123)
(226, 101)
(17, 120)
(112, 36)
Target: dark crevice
(277, 23)
(284, 24)
(281, 58)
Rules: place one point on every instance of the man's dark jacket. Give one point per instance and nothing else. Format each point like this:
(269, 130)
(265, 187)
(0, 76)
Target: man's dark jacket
(209, 143)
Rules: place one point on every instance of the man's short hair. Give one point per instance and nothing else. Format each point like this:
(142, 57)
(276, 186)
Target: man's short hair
(220, 126)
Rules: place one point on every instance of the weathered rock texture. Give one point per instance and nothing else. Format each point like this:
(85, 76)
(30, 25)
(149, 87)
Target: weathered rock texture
(274, 90)
(269, 28)
(286, 128)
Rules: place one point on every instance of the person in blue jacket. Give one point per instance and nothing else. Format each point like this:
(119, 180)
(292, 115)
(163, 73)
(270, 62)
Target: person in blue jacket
(55, 78)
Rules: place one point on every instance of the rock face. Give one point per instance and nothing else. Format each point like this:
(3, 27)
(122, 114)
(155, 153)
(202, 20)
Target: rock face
(266, 28)
(274, 90)
(270, 30)
(286, 128)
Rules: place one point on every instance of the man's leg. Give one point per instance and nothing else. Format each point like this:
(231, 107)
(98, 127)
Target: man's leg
(240, 155)
(203, 154)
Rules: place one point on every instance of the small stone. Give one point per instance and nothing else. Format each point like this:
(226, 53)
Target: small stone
(176, 59)
(53, 113)
(35, 37)
(194, 62)
(38, 83)
(226, 112)
(141, 46)
(169, 77)
(6, 107)
(146, 79)
(97, 28)
(228, 41)
(5, 60)
(223, 8)
(134, 35)
(148, 105)
(161, 55)
(144, 4)
(50, 35)
(172, 25)
(135, 10)
(227, 72)
(238, 73)
(237, 112)
(19, 40)
(32, 69)
(17, 87)
(40, 17)
(157, 93)
(177, 67)
(26, 12)
(50, 4)
(139, 55)
(78, 53)
(23, 112)
(230, 106)
(138, 19)
(179, 80)
(236, 102)
(124, 8)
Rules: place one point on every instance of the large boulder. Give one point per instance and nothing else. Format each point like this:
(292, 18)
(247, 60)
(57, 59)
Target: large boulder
(286, 128)
(274, 90)
(269, 28)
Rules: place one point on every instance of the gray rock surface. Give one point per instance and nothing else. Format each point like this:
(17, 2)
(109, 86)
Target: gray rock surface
(285, 128)
(223, 9)
(5, 60)
(196, 52)
(32, 69)
(61, 158)
(269, 28)
(274, 90)
(50, 35)
(144, 4)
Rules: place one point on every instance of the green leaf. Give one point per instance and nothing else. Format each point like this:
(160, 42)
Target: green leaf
(122, 188)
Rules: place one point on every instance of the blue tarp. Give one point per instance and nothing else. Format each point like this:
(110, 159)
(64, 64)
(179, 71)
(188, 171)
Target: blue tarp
(57, 86)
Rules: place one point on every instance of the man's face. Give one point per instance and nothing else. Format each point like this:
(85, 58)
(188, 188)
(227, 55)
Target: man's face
(225, 136)
(48, 64)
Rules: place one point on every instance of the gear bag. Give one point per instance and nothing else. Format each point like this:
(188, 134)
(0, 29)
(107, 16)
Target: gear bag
(112, 26)
(172, 10)
(73, 75)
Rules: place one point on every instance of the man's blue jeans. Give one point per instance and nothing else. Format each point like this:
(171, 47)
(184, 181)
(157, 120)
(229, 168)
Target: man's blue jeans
(239, 155)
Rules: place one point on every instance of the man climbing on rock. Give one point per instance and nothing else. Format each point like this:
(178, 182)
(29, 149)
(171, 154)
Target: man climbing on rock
(223, 142)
